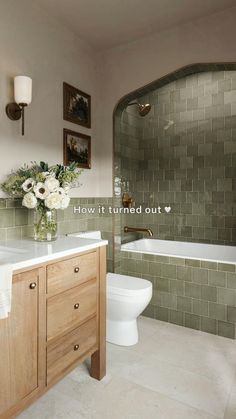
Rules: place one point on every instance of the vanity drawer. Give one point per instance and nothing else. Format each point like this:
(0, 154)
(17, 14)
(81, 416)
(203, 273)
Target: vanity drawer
(71, 347)
(70, 308)
(71, 272)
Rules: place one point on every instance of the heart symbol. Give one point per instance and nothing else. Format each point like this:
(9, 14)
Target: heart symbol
(167, 209)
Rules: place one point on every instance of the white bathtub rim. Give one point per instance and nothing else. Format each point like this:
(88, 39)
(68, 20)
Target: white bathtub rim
(127, 247)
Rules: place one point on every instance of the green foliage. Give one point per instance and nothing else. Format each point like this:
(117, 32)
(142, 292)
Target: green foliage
(13, 185)
(44, 166)
(67, 175)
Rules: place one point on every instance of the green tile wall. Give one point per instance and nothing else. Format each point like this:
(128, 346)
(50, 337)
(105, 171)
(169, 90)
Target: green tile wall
(189, 166)
(17, 222)
(198, 295)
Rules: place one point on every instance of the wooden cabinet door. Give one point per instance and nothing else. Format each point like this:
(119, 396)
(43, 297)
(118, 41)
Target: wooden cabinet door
(19, 342)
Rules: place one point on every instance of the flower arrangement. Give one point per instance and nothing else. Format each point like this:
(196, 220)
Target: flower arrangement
(43, 188)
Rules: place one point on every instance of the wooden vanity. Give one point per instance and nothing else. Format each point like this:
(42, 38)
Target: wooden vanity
(57, 320)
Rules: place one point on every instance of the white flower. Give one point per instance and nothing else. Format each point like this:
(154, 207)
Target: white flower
(28, 185)
(61, 191)
(65, 200)
(29, 200)
(41, 191)
(66, 186)
(53, 201)
(52, 184)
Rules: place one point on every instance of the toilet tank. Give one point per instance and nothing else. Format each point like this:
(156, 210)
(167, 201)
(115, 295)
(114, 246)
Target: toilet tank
(87, 235)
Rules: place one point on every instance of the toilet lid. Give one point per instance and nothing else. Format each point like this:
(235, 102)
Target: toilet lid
(127, 285)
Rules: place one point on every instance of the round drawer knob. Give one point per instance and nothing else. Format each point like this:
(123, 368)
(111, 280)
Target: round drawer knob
(76, 270)
(76, 347)
(33, 285)
(76, 306)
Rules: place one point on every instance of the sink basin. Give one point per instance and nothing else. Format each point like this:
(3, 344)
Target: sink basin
(6, 252)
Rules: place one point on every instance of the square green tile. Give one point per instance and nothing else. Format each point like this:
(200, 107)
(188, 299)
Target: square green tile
(217, 311)
(200, 276)
(192, 321)
(168, 271)
(226, 267)
(231, 280)
(231, 314)
(149, 311)
(176, 317)
(217, 278)
(155, 269)
(200, 307)
(226, 330)
(208, 325)
(164, 299)
(162, 284)
(176, 287)
(208, 293)
(184, 304)
(192, 290)
(209, 265)
(193, 262)
(21, 216)
(227, 296)
(7, 217)
(162, 313)
(184, 273)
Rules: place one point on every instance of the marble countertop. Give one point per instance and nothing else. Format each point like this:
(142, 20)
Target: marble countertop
(26, 252)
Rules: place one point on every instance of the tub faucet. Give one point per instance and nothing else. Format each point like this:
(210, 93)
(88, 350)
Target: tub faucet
(132, 229)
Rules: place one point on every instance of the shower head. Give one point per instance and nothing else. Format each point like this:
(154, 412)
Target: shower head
(143, 110)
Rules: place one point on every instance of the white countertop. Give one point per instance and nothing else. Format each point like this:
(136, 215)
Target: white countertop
(26, 252)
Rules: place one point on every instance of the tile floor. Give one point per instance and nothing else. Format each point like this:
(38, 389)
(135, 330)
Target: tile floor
(173, 373)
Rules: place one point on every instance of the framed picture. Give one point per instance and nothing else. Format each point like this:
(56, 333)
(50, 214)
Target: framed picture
(77, 148)
(76, 106)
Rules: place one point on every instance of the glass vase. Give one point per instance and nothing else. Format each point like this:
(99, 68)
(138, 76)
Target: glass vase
(45, 225)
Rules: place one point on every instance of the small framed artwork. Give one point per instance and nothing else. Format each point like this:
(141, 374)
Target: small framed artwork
(77, 148)
(76, 106)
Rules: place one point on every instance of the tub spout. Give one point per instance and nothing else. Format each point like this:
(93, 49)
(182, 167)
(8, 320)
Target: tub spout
(137, 229)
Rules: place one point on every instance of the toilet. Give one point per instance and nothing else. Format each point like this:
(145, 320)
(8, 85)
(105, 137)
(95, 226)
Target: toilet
(127, 298)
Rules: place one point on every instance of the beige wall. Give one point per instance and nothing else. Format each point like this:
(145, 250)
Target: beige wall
(130, 67)
(33, 44)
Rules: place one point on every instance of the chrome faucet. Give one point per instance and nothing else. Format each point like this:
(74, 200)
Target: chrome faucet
(137, 229)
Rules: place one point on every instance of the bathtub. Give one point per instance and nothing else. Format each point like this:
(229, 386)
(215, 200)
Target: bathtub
(186, 250)
(194, 284)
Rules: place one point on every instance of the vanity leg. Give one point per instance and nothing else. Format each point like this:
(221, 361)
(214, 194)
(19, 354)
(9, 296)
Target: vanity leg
(98, 365)
(98, 359)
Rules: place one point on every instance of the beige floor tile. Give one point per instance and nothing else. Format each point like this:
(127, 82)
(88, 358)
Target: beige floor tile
(213, 363)
(172, 373)
(123, 399)
(179, 384)
(55, 405)
(147, 326)
(230, 412)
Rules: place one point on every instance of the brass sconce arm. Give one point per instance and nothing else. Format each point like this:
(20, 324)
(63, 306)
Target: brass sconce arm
(16, 112)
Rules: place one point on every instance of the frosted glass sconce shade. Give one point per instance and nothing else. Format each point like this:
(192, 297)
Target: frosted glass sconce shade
(23, 97)
(23, 89)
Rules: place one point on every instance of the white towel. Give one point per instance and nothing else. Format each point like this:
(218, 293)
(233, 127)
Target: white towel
(5, 290)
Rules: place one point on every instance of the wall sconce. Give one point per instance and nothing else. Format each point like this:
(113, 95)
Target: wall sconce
(23, 97)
